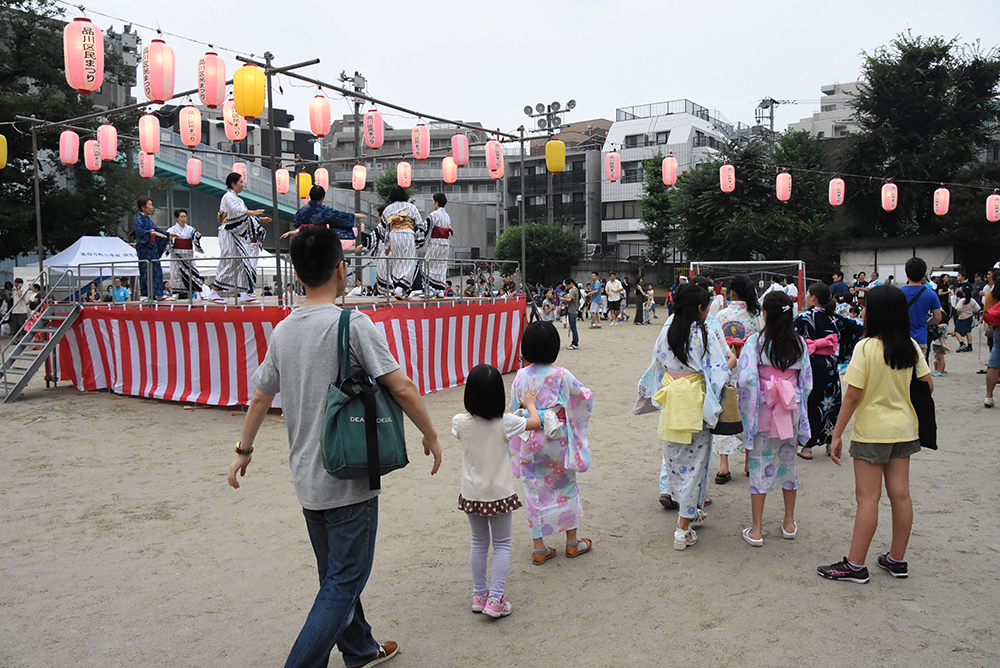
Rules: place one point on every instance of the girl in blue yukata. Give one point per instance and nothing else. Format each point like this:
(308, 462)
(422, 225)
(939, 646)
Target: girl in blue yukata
(774, 381)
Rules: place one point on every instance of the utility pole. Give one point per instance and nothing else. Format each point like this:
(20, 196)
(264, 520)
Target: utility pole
(278, 227)
(359, 87)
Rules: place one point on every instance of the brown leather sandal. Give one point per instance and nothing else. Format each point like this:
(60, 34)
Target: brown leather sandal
(539, 558)
(575, 550)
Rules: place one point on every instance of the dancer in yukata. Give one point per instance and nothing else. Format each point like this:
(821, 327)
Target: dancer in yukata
(403, 230)
(184, 241)
(438, 244)
(317, 213)
(240, 233)
(149, 245)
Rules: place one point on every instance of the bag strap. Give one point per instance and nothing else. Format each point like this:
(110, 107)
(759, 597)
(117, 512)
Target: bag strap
(344, 346)
(371, 436)
(915, 298)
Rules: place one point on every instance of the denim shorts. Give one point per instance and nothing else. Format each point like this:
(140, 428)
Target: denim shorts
(881, 453)
(994, 361)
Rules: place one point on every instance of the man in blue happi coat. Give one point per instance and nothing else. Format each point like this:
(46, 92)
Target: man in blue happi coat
(316, 213)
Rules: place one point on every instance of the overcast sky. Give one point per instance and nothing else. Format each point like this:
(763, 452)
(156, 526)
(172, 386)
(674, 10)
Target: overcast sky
(485, 61)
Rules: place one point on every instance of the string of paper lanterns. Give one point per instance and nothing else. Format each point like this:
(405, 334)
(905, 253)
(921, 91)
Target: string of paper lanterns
(304, 183)
(107, 137)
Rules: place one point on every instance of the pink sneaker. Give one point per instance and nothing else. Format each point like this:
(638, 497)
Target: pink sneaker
(478, 602)
(497, 607)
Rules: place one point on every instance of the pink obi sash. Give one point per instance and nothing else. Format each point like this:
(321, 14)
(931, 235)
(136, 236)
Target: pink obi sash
(778, 404)
(825, 346)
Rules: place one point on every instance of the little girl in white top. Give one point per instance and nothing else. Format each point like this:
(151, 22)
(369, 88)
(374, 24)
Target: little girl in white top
(487, 495)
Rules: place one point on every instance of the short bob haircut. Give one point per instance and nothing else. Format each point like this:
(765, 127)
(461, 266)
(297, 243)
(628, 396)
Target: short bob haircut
(485, 396)
(316, 253)
(441, 200)
(398, 194)
(141, 202)
(178, 212)
(317, 193)
(541, 343)
(233, 179)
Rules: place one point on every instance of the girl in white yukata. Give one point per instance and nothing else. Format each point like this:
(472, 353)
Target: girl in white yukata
(690, 367)
(774, 382)
(403, 230)
(184, 241)
(548, 460)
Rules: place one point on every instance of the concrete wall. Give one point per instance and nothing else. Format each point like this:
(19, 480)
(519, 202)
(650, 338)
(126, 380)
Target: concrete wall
(890, 261)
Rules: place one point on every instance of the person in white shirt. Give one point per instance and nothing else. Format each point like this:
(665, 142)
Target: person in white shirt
(791, 290)
(614, 291)
(357, 289)
(775, 285)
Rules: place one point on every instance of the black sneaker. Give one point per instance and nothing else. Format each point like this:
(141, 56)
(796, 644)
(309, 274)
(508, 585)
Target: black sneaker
(843, 571)
(897, 569)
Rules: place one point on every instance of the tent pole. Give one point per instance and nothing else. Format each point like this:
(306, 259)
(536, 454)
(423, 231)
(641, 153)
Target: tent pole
(38, 200)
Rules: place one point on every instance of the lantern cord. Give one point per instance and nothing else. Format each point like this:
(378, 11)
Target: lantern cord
(877, 178)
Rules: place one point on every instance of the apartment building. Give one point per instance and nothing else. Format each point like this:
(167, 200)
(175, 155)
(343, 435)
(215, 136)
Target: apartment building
(835, 116)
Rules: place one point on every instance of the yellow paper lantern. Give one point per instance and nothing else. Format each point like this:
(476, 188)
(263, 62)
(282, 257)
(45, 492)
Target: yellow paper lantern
(305, 183)
(248, 91)
(555, 155)
(3, 151)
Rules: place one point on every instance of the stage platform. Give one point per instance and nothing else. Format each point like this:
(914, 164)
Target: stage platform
(207, 353)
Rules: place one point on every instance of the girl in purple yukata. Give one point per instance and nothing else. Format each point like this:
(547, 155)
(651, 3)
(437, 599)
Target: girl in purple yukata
(548, 460)
(773, 385)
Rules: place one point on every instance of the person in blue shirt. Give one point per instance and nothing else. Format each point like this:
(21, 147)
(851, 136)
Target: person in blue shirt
(317, 213)
(838, 287)
(923, 301)
(149, 247)
(595, 301)
(119, 293)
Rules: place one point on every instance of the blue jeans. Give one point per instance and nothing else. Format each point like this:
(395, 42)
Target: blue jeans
(572, 328)
(149, 253)
(344, 542)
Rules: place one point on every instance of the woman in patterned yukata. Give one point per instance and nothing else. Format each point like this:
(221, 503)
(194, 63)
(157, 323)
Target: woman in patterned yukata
(439, 233)
(548, 460)
(830, 337)
(402, 231)
(773, 385)
(690, 367)
(184, 241)
(240, 232)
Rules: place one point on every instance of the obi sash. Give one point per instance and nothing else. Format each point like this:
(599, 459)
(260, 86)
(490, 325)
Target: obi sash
(778, 402)
(441, 232)
(183, 244)
(825, 346)
(401, 222)
(681, 402)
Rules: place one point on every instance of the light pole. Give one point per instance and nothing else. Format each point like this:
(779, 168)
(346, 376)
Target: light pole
(548, 121)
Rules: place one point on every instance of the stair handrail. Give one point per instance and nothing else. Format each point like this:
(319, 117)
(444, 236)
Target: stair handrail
(43, 301)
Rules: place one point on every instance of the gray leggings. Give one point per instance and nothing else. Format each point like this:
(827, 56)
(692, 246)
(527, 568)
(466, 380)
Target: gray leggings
(501, 527)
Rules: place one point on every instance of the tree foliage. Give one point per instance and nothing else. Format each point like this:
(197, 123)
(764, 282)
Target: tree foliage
(385, 182)
(550, 250)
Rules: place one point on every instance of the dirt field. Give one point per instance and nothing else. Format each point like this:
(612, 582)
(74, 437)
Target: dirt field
(122, 545)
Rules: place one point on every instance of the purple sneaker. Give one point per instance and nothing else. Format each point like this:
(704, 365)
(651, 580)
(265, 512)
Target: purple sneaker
(843, 571)
(478, 602)
(497, 607)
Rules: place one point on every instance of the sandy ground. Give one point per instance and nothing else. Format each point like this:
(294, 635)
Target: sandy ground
(121, 545)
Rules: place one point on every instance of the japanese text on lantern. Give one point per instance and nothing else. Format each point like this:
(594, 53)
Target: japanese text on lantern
(89, 52)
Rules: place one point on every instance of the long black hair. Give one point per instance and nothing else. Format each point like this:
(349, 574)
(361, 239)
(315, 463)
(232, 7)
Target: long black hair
(688, 302)
(887, 318)
(398, 194)
(821, 291)
(745, 292)
(779, 340)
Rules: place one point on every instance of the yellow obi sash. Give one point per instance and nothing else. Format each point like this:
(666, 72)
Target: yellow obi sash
(682, 402)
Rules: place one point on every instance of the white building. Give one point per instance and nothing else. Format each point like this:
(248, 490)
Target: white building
(836, 113)
(688, 131)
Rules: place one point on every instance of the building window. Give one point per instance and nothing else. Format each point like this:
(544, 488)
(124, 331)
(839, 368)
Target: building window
(579, 197)
(479, 164)
(620, 210)
(578, 166)
(635, 141)
(632, 172)
(820, 134)
(288, 146)
(484, 189)
(662, 137)
(536, 200)
(347, 146)
(828, 107)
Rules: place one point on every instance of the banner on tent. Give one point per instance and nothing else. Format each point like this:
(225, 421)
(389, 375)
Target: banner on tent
(208, 355)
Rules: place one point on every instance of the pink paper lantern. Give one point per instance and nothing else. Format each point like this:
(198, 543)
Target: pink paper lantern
(147, 165)
(890, 196)
(497, 174)
(92, 155)
(107, 136)
(993, 208)
(783, 186)
(193, 171)
(240, 168)
(836, 191)
(460, 149)
(281, 180)
(669, 169)
(149, 133)
(319, 116)
(494, 156)
(359, 175)
(449, 170)
(69, 147)
(322, 177)
(158, 71)
(421, 138)
(236, 125)
(613, 166)
(190, 122)
(374, 129)
(727, 178)
(404, 174)
(942, 201)
(83, 56)
(211, 80)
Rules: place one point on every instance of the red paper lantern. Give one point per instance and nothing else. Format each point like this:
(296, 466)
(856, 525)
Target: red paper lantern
(449, 170)
(281, 180)
(147, 165)
(319, 116)
(240, 168)
(727, 178)
(190, 122)
(374, 129)
(460, 149)
(193, 171)
(669, 169)
(494, 156)
(993, 208)
(69, 147)
(107, 136)
(236, 125)
(421, 138)
(404, 174)
(149, 133)
(613, 166)
(783, 186)
(942, 201)
(836, 191)
(158, 71)
(83, 56)
(358, 177)
(212, 80)
(322, 178)
(890, 196)
(92, 154)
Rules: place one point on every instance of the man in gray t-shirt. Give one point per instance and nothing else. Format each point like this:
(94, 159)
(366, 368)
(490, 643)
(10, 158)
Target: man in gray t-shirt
(341, 515)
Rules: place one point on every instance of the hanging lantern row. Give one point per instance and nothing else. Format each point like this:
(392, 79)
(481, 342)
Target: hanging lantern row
(613, 166)
(494, 158)
(319, 116)
(304, 183)
(727, 178)
(783, 186)
(211, 80)
(836, 191)
(322, 178)
(147, 165)
(158, 71)
(421, 138)
(241, 169)
(149, 133)
(281, 180)
(373, 129)
(190, 122)
(555, 155)
(993, 208)
(248, 91)
(404, 174)
(449, 170)
(83, 56)
(3, 151)
(460, 149)
(69, 147)
(107, 137)
(92, 155)
(193, 171)
(236, 125)
(359, 175)
(890, 196)
(942, 201)
(669, 169)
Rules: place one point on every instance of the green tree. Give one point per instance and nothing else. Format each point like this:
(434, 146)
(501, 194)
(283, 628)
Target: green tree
(656, 219)
(926, 108)
(385, 182)
(550, 250)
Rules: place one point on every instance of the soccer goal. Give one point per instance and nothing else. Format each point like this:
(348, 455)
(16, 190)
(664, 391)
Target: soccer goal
(760, 272)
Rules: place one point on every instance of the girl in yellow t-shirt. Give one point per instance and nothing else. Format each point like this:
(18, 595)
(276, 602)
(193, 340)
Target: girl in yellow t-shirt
(885, 431)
